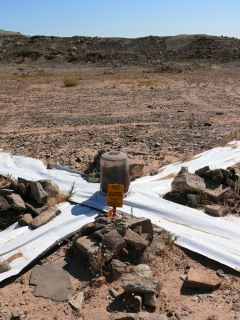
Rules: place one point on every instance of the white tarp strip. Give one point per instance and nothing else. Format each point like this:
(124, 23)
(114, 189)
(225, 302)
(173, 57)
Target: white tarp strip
(216, 238)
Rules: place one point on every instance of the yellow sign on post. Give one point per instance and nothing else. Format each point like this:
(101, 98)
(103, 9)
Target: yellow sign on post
(115, 195)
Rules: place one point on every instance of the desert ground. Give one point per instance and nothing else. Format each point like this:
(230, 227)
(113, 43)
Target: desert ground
(156, 119)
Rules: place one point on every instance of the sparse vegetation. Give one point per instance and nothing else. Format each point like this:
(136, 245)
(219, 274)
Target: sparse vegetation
(171, 239)
(70, 82)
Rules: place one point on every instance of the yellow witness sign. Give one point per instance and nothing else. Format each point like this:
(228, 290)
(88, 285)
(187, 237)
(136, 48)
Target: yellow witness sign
(115, 195)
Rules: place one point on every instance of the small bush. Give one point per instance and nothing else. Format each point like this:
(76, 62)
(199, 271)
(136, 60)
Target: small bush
(69, 82)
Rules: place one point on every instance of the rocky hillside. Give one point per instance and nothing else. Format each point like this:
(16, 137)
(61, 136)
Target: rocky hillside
(148, 51)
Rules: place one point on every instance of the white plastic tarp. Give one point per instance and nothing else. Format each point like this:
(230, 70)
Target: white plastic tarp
(214, 237)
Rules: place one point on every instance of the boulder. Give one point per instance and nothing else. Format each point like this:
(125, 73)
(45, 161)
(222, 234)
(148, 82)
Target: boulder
(16, 202)
(214, 175)
(133, 239)
(76, 301)
(113, 243)
(37, 192)
(145, 223)
(199, 279)
(200, 172)
(4, 266)
(19, 187)
(35, 208)
(150, 299)
(45, 217)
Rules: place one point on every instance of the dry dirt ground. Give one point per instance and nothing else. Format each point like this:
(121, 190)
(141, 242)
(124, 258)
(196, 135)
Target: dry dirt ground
(156, 119)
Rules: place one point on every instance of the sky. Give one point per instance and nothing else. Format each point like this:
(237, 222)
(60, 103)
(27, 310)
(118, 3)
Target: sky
(121, 18)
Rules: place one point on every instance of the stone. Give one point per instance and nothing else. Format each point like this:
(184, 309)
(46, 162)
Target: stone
(4, 266)
(134, 303)
(140, 281)
(4, 205)
(215, 175)
(16, 202)
(200, 172)
(199, 279)
(99, 234)
(147, 256)
(193, 199)
(145, 223)
(19, 187)
(37, 192)
(214, 210)
(50, 187)
(183, 170)
(51, 281)
(35, 208)
(114, 293)
(126, 316)
(76, 301)
(157, 244)
(135, 240)
(151, 316)
(87, 246)
(157, 230)
(117, 267)
(44, 217)
(17, 313)
(231, 202)
(25, 220)
(150, 299)
(4, 192)
(113, 243)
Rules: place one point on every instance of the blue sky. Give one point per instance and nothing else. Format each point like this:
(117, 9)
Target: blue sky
(121, 18)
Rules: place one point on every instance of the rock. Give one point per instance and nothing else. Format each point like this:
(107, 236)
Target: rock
(215, 175)
(114, 293)
(214, 210)
(35, 208)
(226, 173)
(99, 234)
(16, 202)
(157, 230)
(4, 266)
(113, 243)
(17, 314)
(201, 280)
(183, 170)
(134, 303)
(87, 246)
(200, 172)
(136, 170)
(140, 281)
(50, 187)
(76, 301)
(126, 316)
(157, 244)
(145, 223)
(147, 257)
(231, 202)
(193, 199)
(117, 267)
(4, 192)
(151, 316)
(19, 187)
(191, 183)
(4, 205)
(150, 299)
(134, 240)
(45, 217)
(37, 192)
(51, 281)
(25, 220)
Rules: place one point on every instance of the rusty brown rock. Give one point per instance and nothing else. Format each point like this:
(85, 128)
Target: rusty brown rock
(198, 279)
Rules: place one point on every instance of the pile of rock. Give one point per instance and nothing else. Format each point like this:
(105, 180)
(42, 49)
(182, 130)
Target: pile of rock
(26, 201)
(207, 186)
(112, 244)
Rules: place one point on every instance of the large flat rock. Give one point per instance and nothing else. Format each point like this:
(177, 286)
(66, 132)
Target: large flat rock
(52, 282)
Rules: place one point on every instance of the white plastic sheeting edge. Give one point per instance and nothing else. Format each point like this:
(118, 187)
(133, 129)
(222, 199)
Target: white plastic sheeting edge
(216, 238)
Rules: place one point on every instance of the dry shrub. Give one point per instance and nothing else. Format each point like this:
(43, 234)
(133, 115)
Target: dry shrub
(70, 82)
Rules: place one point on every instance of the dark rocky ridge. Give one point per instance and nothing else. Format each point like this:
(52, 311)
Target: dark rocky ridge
(147, 51)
